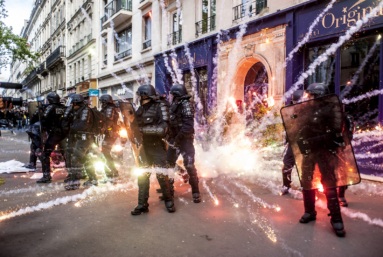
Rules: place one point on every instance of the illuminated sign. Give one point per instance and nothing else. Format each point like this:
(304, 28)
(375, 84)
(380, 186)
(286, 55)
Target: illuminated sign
(340, 18)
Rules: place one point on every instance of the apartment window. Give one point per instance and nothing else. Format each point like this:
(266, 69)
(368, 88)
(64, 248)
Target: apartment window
(148, 32)
(177, 21)
(176, 36)
(124, 44)
(207, 23)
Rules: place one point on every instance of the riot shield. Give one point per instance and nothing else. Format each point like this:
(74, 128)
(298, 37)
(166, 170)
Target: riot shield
(32, 107)
(322, 149)
(134, 134)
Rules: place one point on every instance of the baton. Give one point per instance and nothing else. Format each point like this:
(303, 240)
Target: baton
(171, 145)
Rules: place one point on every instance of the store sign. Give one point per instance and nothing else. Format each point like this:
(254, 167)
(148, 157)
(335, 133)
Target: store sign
(198, 54)
(340, 18)
(94, 93)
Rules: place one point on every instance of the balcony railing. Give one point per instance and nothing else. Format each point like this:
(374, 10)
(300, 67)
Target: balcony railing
(41, 68)
(147, 44)
(205, 26)
(77, 46)
(250, 9)
(103, 20)
(59, 52)
(81, 43)
(116, 5)
(123, 54)
(175, 37)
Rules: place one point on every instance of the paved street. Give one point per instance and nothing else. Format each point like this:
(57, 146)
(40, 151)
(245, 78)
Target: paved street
(242, 224)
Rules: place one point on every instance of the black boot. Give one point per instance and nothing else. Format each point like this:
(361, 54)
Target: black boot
(334, 208)
(74, 179)
(193, 181)
(342, 199)
(168, 198)
(143, 186)
(46, 178)
(171, 184)
(286, 175)
(309, 203)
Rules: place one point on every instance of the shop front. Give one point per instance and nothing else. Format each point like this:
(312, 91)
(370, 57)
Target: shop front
(82, 88)
(353, 71)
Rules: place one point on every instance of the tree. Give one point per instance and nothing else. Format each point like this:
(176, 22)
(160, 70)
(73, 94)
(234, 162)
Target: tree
(13, 47)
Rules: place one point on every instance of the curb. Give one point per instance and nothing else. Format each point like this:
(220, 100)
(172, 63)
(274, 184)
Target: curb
(371, 178)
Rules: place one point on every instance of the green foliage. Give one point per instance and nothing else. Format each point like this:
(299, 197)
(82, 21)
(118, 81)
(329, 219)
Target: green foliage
(13, 47)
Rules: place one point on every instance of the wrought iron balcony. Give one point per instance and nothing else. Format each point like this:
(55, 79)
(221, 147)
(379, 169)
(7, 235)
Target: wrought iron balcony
(146, 44)
(250, 9)
(117, 11)
(175, 37)
(123, 54)
(55, 55)
(205, 26)
(115, 6)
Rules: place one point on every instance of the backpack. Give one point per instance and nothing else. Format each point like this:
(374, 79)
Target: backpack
(98, 126)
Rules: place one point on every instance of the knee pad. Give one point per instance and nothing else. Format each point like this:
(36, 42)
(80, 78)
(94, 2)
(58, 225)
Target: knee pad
(331, 193)
(287, 168)
(190, 166)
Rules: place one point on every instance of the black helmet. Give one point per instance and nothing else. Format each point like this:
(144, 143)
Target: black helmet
(178, 90)
(106, 99)
(317, 90)
(70, 95)
(77, 99)
(146, 90)
(53, 98)
(297, 95)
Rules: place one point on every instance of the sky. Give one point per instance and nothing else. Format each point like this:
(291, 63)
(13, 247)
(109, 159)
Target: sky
(18, 11)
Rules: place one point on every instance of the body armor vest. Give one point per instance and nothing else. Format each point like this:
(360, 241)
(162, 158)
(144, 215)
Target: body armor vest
(148, 117)
(83, 114)
(55, 111)
(175, 118)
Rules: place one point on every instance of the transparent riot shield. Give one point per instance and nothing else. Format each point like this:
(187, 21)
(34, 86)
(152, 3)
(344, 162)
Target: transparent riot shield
(134, 134)
(32, 107)
(320, 143)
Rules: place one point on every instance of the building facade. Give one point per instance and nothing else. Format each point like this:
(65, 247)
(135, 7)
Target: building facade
(45, 32)
(82, 60)
(129, 38)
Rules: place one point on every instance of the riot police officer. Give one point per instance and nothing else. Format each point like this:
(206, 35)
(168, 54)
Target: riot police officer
(152, 118)
(322, 159)
(288, 156)
(182, 135)
(51, 121)
(110, 112)
(66, 122)
(34, 134)
(81, 129)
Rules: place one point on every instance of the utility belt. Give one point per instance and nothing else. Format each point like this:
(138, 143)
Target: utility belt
(83, 135)
(111, 132)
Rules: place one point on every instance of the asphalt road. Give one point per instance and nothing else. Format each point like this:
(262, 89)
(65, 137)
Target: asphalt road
(238, 226)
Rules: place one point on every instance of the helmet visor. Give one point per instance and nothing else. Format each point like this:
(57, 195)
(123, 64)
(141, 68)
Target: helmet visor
(68, 102)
